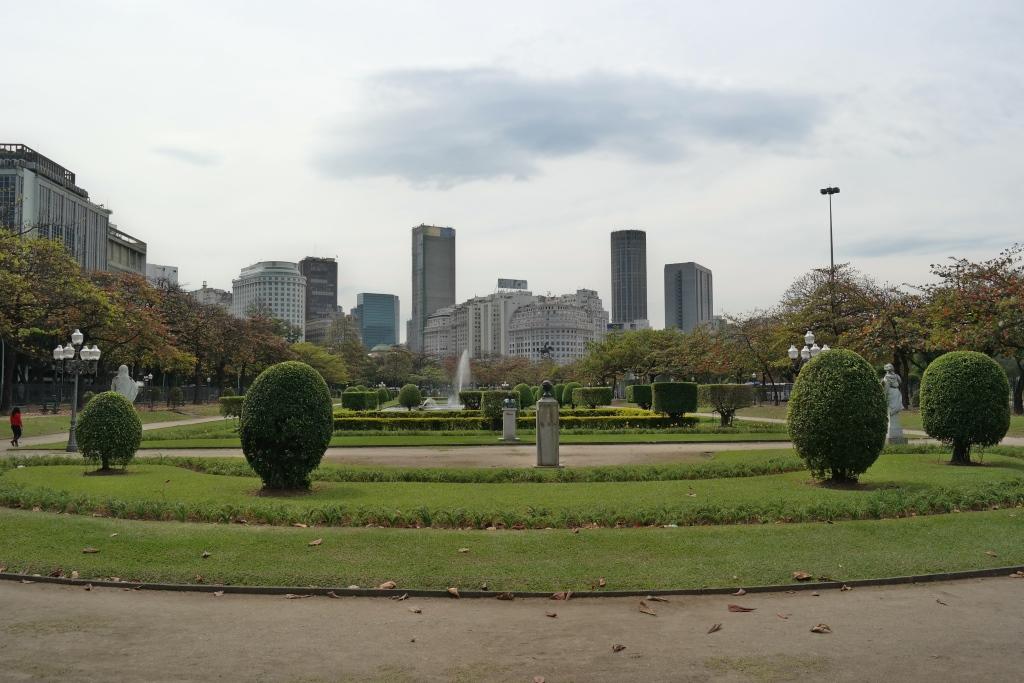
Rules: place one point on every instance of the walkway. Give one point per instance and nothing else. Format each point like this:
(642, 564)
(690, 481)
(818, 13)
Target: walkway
(5, 444)
(968, 630)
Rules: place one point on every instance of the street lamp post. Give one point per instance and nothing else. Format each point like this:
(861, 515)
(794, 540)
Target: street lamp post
(76, 359)
(798, 357)
(148, 379)
(831, 252)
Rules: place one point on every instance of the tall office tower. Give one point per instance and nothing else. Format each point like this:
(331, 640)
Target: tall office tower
(377, 315)
(276, 288)
(321, 287)
(688, 296)
(629, 276)
(433, 277)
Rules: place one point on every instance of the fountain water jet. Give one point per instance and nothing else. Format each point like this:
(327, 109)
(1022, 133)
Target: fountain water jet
(461, 379)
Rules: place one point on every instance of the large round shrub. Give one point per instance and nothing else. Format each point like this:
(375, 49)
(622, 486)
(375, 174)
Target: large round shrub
(109, 430)
(524, 395)
(674, 398)
(838, 415)
(409, 396)
(965, 402)
(383, 396)
(567, 397)
(286, 424)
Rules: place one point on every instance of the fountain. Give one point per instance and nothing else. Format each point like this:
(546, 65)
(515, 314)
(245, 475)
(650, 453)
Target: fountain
(462, 379)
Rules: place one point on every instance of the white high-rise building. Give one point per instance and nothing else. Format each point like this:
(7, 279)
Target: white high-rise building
(558, 327)
(275, 287)
(159, 275)
(480, 325)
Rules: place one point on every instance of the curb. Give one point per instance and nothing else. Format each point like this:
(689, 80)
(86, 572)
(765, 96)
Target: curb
(418, 593)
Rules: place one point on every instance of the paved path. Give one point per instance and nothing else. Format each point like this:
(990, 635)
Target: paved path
(958, 631)
(5, 445)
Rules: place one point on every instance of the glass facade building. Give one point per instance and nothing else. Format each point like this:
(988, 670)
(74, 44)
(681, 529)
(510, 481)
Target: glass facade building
(629, 276)
(378, 316)
(321, 287)
(433, 277)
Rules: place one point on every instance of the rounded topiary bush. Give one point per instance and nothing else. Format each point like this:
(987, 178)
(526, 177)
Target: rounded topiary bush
(286, 424)
(109, 430)
(567, 397)
(838, 415)
(965, 402)
(383, 396)
(524, 395)
(410, 396)
(557, 390)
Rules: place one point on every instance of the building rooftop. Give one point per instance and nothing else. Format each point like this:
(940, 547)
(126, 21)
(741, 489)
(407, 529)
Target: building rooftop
(15, 154)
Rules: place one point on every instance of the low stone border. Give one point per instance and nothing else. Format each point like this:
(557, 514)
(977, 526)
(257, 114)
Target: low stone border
(417, 593)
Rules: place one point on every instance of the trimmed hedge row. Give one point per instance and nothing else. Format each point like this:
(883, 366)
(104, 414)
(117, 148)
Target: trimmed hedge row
(437, 424)
(470, 399)
(359, 400)
(231, 406)
(726, 399)
(592, 397)
(639, 394)
(674, 398)
(388, 424)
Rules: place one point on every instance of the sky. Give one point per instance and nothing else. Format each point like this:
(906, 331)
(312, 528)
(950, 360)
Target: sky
(226, 133)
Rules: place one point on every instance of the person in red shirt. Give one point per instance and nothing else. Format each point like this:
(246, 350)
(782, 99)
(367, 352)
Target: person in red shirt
(16, 425)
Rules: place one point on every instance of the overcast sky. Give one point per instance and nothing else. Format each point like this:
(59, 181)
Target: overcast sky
(225, 133)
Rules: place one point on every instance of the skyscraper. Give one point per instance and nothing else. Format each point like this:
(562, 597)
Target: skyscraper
(433, 277)
(688, 296)
(321, 287)
(274, 288)
(378, 317)
(629, 276)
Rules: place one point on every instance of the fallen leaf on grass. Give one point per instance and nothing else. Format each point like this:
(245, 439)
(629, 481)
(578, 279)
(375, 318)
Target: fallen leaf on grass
(618, 647)
(740, 592)
(647, 609)
(300, 525)
(89, 550)
(991, 553)
(56, 572)
(241, 521)
(562, 595)
(715, 628)
(198, 579)
(802, 576)
(483, 587)
(403, 596)
(506, 596)
(821, 628)
(656, 598)
(416, 610)
(316, 541)
(113, 534)
(218, 593)
(332, 594)
(845, 588)
(601, 582)
(739, 608)
(941, 602)
(74, 574)
(205, 554)
(388, 586)
(553, 615)
(297, 596)
(463, 550)
(453, 591)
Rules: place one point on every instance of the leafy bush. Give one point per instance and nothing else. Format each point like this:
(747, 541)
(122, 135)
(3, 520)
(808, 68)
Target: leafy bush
(964, 402)
(359, 400)
(838, 415)
(567, 393)
(286, 424)
(155, 393)
(176, 397)
(592, 397)
(231, 406)
(557, 391)
(535, 392)
(87, 396)
(109, 430)
(674, 398)
(227, 391)
(726, 399)
(594, 412)
(639, 394)
(615, 422)
(491, 405)
(524, 395)
(410, 396)
(470, 399)
(400, 424)
(383, 396)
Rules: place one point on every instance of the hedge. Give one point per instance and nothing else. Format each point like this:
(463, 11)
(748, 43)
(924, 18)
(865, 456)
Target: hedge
(726, 399)
(470, 398)
(639, 394)
(491, 405)
(359, 400)
(674, 398)
(231, 406)
(558, 389)
(387, 424)
(592, 397)
(615, 422)
(567, 393)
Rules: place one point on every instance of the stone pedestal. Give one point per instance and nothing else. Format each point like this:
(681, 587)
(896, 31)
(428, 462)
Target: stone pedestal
(508, 424)
(547, 432)
(895, 434)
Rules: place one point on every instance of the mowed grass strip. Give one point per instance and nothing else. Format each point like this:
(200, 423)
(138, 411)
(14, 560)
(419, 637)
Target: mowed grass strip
(897, 485)
(43, 425)
(639, 559)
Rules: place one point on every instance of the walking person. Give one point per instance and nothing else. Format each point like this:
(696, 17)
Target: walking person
(16, 425)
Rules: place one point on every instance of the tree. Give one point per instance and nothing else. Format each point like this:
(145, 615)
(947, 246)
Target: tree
(757, 341)
(330, 366)
(410, 397)
(831, 302)
(393, 367)
(343, 340)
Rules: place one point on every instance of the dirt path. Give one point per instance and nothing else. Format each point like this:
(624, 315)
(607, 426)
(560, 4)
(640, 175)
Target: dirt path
(901, 633)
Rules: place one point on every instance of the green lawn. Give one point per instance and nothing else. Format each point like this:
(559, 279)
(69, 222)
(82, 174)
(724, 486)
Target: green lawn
(41, 425)
(692, 557)
(894, 486)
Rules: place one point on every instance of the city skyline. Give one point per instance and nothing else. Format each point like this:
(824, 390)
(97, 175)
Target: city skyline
(716, 148)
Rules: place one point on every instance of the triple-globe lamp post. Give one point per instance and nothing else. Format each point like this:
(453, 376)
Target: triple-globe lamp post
(798, 357)
(76, 358)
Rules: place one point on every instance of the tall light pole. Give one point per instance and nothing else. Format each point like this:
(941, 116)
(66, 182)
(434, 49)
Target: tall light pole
(831, 252)
(84, 364)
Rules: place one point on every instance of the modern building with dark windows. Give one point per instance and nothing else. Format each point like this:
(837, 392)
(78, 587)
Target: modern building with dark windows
(321, 287)
(41, 198)
(688, 296)
(378, 317)
(433, 277)
(629, 276)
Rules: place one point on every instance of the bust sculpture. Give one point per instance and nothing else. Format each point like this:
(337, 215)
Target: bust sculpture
(891, 384)
(547, 390)
(124, 384)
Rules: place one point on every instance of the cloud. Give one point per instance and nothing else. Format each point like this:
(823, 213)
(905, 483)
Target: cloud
(189, 156)
(897, 245)
(446, 127)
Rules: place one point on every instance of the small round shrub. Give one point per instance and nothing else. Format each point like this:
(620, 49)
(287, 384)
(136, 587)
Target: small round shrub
(410, 397)
(109, 430)
(639, 394)
(176, 397)
(383, 396)
(227, 391)
(286, 424)
(535, 392)
(524, 395)
(674, 398)
(965, 402)
(592, 397)
(567, 393)
(726, 399)
(558, 391)
(470, 399)
(838, 416)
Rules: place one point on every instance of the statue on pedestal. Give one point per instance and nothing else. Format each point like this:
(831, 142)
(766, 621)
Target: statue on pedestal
(894, 399)
(125, 385)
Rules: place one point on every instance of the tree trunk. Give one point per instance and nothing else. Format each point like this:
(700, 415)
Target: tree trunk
(903, 368)
(961, 453)
(1018, 390)
(195, 385)
(10, 356)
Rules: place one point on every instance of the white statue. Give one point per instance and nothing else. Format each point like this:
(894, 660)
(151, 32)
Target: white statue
(125, 385)
(894, 398)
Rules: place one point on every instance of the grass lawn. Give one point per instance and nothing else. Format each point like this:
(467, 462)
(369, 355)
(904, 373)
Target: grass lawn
(41, 425)
(896, 485)
(692, 557)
